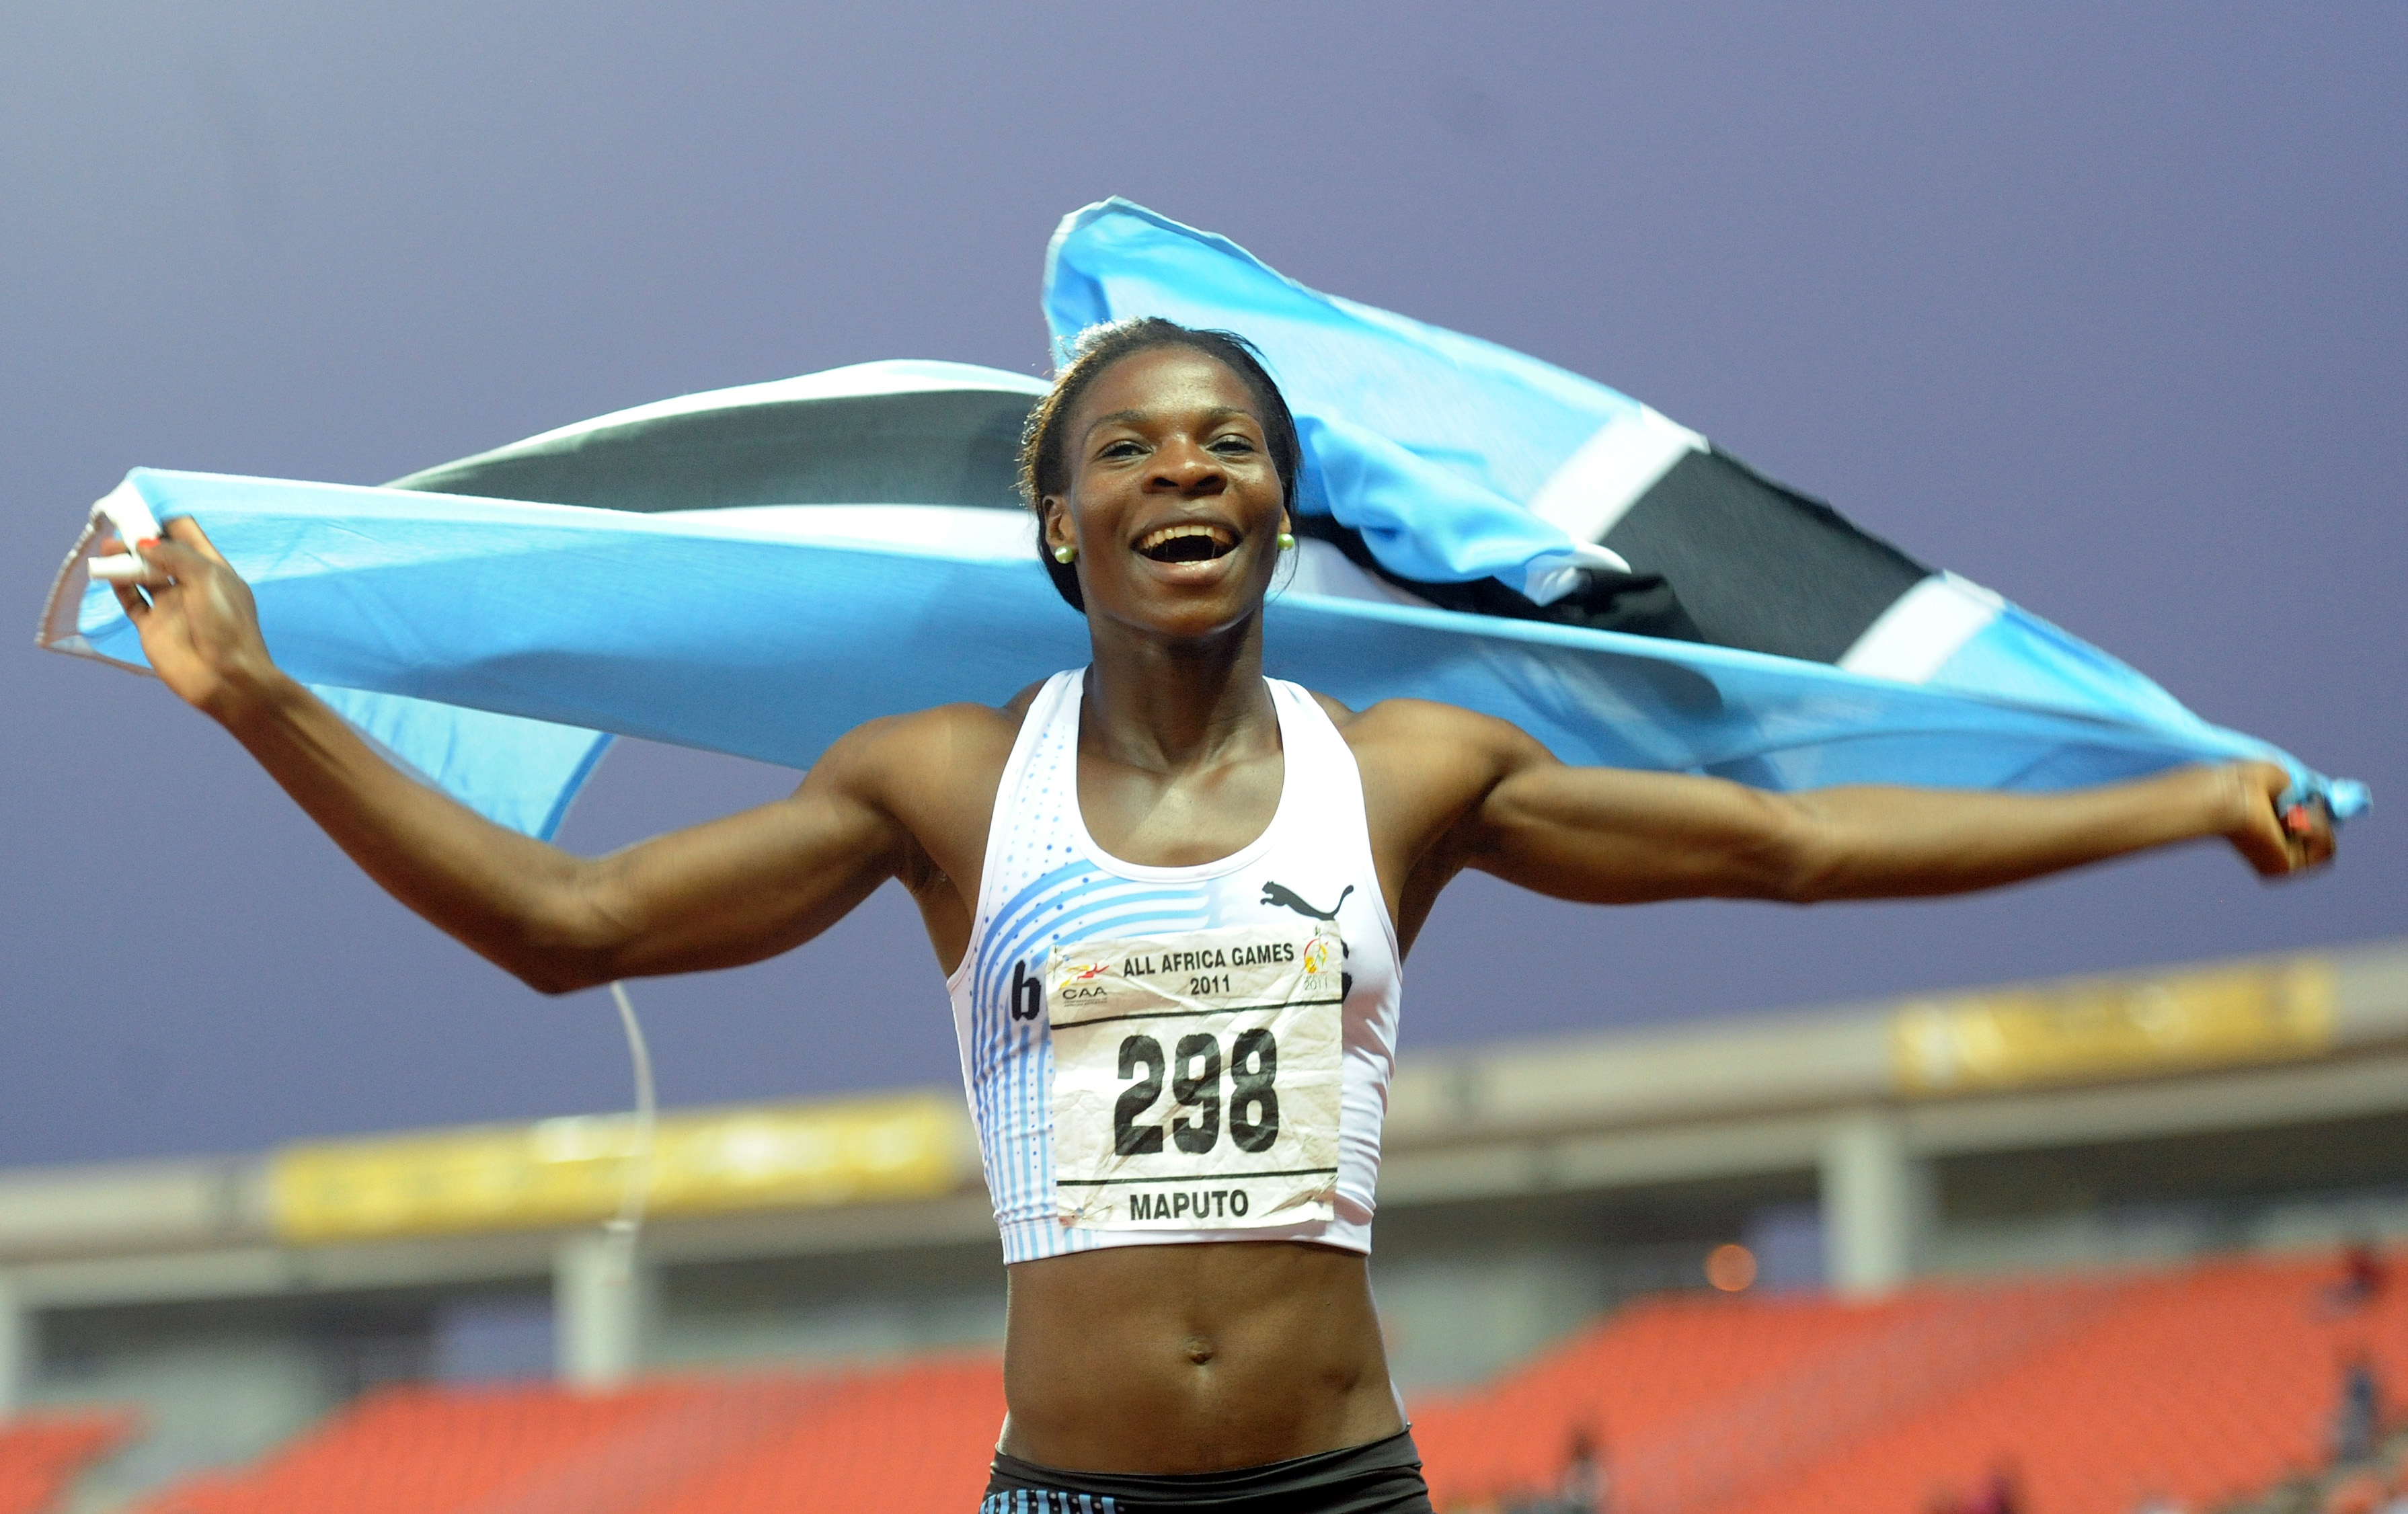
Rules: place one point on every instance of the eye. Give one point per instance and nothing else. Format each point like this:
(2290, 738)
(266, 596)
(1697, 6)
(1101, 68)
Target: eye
(1233, 444)
(1116, 449)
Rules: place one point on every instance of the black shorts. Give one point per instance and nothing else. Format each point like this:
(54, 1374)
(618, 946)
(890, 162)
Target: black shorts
(1383, 1478)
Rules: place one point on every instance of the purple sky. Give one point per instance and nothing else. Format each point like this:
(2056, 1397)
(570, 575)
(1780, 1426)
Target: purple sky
(2101, 306)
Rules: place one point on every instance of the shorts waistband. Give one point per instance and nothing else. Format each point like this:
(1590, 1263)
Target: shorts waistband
(1377, 1476)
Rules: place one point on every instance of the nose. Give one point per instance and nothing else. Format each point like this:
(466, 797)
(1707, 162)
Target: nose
(1181, 467)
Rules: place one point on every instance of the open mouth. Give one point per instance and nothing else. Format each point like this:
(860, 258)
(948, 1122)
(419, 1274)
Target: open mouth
(1191, 542)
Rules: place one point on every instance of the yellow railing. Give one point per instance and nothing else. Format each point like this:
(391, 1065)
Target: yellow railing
(2109, 1029)
(574, 1171)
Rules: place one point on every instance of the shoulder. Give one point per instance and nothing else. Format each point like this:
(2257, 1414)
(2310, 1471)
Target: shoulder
(1428, 766)
(945, 744)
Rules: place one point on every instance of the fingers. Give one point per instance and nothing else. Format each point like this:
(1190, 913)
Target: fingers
(185, 550)
(166, 561)
(186, 532)
(2266, 778)
(2280, 838)
(2308, 831)
(2259, 837)
(128, 599)
(183, 554)
(2305, 825)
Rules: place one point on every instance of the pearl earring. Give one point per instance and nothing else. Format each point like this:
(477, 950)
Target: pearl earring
(1066, 555)
(1287, 542)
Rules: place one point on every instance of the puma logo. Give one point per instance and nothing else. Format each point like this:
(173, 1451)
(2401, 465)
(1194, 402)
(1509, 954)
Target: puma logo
(1283, 897)
(1279, 895)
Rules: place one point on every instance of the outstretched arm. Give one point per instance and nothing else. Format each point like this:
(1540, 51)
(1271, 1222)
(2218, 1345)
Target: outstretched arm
(1608, 835)
(734, 891)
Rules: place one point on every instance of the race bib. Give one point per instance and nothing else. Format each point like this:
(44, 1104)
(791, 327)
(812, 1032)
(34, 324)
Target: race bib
(1196, 1077)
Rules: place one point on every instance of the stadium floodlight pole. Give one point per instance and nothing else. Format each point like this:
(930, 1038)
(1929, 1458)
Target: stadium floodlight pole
(622, 1230)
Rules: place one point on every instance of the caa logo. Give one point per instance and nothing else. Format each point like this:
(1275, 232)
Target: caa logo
(1076, 983)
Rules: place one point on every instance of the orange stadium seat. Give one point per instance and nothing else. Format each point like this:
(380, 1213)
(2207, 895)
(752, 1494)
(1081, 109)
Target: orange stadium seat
(425, 1450)
(913, 1439)
(1698, 1399)
(2205, 1384)
(41, 1455)
(909, 1437)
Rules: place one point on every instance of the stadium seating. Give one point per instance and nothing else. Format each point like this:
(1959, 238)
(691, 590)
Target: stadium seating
(1699, 1400)
(41, 1456)
(2207, 1384)
(914, 1436)
(909, 1439)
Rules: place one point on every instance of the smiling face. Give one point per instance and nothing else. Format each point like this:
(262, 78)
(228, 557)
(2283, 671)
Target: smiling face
(1173, 501)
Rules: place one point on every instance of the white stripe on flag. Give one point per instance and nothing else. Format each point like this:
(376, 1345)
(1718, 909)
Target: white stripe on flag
(1921, 629)
(1598, 484)
(860, 380)
(967, 531)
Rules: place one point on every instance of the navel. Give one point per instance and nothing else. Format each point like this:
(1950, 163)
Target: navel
(1200, 1350)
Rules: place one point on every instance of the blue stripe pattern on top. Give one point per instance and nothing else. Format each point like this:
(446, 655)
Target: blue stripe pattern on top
(1010, 1063)
(1049, 886)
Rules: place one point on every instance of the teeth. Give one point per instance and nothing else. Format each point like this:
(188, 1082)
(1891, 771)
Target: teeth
(1152, 539)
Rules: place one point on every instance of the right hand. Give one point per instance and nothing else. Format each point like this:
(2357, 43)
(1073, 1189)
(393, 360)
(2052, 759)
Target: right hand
(2274, 841)
(199, 626)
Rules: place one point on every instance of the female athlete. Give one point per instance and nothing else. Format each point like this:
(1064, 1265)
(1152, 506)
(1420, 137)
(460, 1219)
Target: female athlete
(1171, 897)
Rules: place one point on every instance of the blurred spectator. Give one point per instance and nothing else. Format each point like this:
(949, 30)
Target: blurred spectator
(1998, 1494)
(2360, 1413)
(2360, 1495)
(2362, 1276)
(1587, 1486)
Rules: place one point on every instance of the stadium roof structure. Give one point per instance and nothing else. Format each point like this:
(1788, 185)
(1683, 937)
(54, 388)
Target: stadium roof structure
(2249, 1044)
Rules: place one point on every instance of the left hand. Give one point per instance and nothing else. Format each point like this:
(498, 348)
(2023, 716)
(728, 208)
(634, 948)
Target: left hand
(2274, 841)
(198, 624)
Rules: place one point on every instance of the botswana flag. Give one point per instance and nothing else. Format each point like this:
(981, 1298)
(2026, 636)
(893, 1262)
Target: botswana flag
(1479, 478)
(757, 570)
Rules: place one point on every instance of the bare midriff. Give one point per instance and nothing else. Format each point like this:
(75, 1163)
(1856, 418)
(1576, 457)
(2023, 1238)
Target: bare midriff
(1193, 1358)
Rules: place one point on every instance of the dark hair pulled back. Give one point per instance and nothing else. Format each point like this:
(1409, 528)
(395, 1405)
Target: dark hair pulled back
(1044, 469)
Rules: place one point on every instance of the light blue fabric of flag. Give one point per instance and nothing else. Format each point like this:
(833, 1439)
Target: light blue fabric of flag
(485, 643)
(1432, 444)
(494, 646)
(1426, 441)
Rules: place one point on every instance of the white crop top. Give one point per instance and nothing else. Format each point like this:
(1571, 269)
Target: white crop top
(1166, 1054)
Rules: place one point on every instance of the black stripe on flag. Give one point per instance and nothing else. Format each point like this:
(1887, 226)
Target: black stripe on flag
(935, 447)
(1721, 553)
(1757, 565)
(1641, 604)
